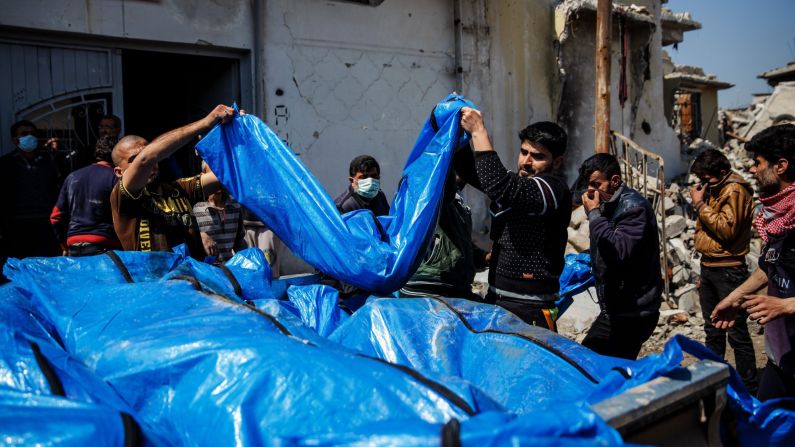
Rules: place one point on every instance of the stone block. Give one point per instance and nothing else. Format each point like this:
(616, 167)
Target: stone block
(678, 252)
(669, 204)
(578, 218)
(580, 242)
(689, 302)
(582, 312)
(675, 225)
(684, 289)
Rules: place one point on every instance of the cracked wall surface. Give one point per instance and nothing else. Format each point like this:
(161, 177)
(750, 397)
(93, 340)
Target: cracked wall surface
(344, 79)
(221, 23)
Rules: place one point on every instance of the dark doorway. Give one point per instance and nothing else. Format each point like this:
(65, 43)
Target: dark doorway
(163, 91)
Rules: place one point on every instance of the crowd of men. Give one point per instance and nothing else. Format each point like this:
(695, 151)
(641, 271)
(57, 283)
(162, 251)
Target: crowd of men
(120, 202)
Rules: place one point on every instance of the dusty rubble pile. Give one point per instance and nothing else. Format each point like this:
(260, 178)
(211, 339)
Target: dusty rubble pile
(681, 312)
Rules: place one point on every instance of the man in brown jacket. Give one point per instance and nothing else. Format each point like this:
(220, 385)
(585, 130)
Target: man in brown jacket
(724, 204)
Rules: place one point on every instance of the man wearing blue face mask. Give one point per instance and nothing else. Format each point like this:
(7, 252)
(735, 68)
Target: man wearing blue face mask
(30, 180)
(364, 191)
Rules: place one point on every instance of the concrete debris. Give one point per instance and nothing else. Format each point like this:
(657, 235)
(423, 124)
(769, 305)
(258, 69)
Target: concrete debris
(675, 225)
(578, 216)
(578, 318)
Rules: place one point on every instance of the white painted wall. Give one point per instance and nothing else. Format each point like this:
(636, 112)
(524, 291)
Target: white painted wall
(355, 79)
(224, 23)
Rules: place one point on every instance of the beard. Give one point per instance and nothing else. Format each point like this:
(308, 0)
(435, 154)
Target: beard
(767, 183)
(526, 171)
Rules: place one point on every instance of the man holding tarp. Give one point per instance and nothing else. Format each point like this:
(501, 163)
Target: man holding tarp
(531, 210)
(150, 215)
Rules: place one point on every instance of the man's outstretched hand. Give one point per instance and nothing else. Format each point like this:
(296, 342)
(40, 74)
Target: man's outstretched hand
(725, 312)
(764, 308)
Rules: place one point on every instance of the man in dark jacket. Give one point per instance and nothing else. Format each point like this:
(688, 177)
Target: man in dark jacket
(724, 203)
(625, 256)
(81, 217)
(531, 209)
(29, 178)
(364, 191)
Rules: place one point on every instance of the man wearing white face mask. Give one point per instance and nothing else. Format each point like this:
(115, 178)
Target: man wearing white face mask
(29, 178)
(364, 191)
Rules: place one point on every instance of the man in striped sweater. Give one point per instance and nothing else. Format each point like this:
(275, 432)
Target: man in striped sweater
(220, 221)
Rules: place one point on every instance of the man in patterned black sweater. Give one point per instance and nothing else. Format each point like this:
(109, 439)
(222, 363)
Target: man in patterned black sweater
(530, 211)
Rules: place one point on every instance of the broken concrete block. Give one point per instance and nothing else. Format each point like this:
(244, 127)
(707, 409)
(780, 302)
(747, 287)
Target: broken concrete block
(689, 302)
(675, 225)
(582, 312)
(681, 276)
(580, 242)
(584, 230)
(570, 249)
(677, 251)
(669, 204)
(684, 289)
(578, 218)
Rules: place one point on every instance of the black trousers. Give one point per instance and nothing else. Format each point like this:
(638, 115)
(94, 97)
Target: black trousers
(620, 336)
(531, 312)
(86, 249)
(716, 283)
(775, 383)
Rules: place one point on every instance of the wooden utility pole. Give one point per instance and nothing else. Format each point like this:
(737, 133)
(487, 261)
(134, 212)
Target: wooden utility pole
(604, 13)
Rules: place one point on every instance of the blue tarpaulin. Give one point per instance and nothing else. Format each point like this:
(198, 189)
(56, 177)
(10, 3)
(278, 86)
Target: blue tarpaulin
(194, 363)
(380, 254)
(192, 354)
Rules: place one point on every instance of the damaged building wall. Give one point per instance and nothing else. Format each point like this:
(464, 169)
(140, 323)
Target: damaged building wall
(220, 23)
(642, 117)
(777, 108)
(509, 70)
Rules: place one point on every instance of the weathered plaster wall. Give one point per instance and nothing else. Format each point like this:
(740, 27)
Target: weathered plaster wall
(662, 139)
(344, 79)
(511, 73)
(225, 23)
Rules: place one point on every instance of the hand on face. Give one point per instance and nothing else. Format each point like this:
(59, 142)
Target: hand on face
(590, 200)
(697, 193)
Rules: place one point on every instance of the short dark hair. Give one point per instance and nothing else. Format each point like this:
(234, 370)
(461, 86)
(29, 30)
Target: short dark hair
(711, 162)
(774, 143)
(604, 163)
(547, 134)
(116, 120)
(23, 123)
(363, 163)
(104, 148)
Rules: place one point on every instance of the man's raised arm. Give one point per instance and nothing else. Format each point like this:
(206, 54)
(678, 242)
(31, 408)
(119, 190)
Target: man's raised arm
(145, 159)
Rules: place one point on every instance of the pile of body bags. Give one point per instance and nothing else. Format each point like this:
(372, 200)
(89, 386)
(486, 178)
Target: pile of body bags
(133, 348)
